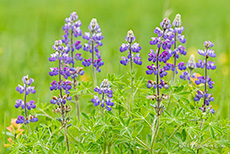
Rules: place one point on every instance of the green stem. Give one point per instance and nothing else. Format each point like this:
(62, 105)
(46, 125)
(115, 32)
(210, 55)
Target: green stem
(109, 148)
(131, 73)
(171, 136)
(154, 134)
(66, 138)
(77, 107)
(145, 145)
(104, 149)
(174, 62)
(94, 73)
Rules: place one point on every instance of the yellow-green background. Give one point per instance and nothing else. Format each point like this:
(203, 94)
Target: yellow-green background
(28, 29)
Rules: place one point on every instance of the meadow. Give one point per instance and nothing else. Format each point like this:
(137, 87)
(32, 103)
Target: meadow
(28, 30)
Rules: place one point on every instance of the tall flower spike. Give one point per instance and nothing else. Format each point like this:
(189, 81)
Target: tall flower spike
(107, 95)
(177, 33)
(24, 104)
(162, 41)
(208, 52)
(62, 56)
(94, 38)
(133, 56)
(133, 50)
(72, 30)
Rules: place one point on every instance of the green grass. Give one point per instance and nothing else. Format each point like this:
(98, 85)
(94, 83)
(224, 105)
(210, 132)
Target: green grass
(29, 28)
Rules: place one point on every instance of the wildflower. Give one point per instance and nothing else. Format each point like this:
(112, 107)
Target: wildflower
(107, 94)
(206, 80)
(162, 41)
(94, 38)
(26, 105)
(178, 49)
(132, 47)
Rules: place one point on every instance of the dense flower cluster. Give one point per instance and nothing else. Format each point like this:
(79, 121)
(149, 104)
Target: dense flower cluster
(94, 38)
(72, 28)
(164, 41)
(26, 89)
(107, 94)
(61, 55)
(133, 48)
(205, 79)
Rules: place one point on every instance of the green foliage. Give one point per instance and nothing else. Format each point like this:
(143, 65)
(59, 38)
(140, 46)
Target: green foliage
(125, 131)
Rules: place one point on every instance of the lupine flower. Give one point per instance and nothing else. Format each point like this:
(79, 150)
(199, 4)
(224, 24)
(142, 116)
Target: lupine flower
(206, 80)
(191, 64)
(177, 35)
(94, 38)
(181, 66)
(27, 89)
(107, 94)
(61, 54)
(72, 29)
(186, 76)
(163, 41)
(133, 50)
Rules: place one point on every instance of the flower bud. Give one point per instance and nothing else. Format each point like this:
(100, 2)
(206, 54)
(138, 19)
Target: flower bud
(177, 21)
(191, 62)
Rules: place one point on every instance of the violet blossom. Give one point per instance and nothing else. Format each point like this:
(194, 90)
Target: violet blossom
(24, 104)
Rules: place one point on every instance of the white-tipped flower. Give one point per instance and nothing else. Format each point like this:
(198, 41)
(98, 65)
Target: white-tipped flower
(130, 36)
(93, 22)
(177, 21)
(93, 26)
(191, 62)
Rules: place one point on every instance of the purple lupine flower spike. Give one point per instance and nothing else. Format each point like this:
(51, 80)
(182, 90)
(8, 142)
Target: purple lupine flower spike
(178, 49)
(133, 48)
(94, 38)
(206, 80)
(63, 72)
(107, 94)
(163, 41)
(24, 104)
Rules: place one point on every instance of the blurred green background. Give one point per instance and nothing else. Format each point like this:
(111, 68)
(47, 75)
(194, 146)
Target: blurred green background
(29, 28)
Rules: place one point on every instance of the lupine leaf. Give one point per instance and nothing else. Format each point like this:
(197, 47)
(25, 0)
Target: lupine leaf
(60, 139)
(212, 132)
(122, 121)
(85, 115)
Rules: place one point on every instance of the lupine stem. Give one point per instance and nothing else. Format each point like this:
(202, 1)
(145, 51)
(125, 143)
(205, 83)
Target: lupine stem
(131, 71)
(66, 138)
(74, 80)
(154, 135)
(158, 106)
(104, 149)
(26, 117)
(174, 62)
(102, 110)
(94, 73)
(190, 74)
(145, 145)
(25, 106)
(62, 109)
(158, 90)
(171, 136)
(205, 90)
